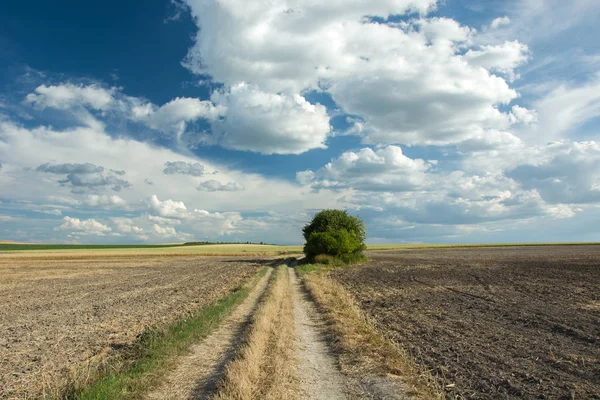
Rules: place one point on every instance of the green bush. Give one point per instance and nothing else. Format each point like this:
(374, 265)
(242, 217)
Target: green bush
(334, 233)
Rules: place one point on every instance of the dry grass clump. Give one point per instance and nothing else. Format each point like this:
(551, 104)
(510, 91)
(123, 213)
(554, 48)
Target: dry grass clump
(362, 349)
(324, 259)
(265, 366)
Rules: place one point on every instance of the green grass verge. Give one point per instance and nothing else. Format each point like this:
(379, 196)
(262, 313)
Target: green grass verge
(18, 246)
(324, 264)
(156, 349)
(306, 268)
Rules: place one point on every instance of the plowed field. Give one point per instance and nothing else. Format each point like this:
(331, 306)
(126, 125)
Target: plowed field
(491, 323)
(57, 313)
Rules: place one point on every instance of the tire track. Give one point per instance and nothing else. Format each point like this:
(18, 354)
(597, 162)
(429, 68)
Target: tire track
(197, 373)
(205, 372)
(317, 372)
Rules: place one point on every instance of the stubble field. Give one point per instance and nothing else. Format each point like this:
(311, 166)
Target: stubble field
(60, 312)
(489, 323)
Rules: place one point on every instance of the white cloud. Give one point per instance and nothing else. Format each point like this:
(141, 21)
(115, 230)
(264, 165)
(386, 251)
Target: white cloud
(105, 201)
(500, 21)
(207, 223)
(279, 46)
(499, 142)
(168, 208)
(85, 227)
(565, 108)
(173, 114)
(408, 81)
(216, 186)
(305, 177)
(523, 115)
(68, 95)
(164, 230)
(562, 172)
(269, 123)
(503, 58)
(21, 150)
(385, 169)
(126, 225)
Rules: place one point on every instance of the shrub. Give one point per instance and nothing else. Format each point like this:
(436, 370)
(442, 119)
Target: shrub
(334, 233)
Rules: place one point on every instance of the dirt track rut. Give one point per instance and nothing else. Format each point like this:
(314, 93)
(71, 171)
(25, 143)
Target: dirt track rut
(318, 375)
(197, 375)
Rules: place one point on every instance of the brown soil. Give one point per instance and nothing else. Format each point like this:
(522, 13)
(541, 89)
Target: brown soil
(491, 323)
(58, 314)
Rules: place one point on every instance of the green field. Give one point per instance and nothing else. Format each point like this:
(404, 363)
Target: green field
(149, 249)
(212, 249)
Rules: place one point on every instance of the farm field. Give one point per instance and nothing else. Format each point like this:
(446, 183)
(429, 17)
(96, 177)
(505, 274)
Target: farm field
(490, 322)
(33, 250)
(64, 310)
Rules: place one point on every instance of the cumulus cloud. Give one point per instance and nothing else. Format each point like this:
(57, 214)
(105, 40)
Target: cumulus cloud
(280, 47)
(523, 115)
(164, 230)
(86, 175)
(126, 225)
(184, 168)
(162, 220)
(173, 114)
(409, 82)
(85, 227)
(168, 208)
(269, 123)
(385, 169)
(460, 199)
(68, 95)
(562, 172)
(418, 192)
(216, 186)
(493, 141)
(105, 201)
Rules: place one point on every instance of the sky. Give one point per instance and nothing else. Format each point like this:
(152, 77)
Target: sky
(455, 121)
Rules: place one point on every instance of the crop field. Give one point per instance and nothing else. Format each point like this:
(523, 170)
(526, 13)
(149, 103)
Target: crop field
(61, 311)
(33, 250)
(490, 322)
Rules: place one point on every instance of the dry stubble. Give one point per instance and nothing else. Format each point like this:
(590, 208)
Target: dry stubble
(265, 366)
(384, 369)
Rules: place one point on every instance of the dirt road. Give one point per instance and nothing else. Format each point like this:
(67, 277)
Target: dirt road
(203, 373)
(196, 374)
(319, 378)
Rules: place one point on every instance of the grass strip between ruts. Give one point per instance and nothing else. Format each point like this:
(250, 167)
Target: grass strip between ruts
(157, 348)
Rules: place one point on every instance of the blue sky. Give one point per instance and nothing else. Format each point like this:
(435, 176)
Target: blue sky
(435, 121)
